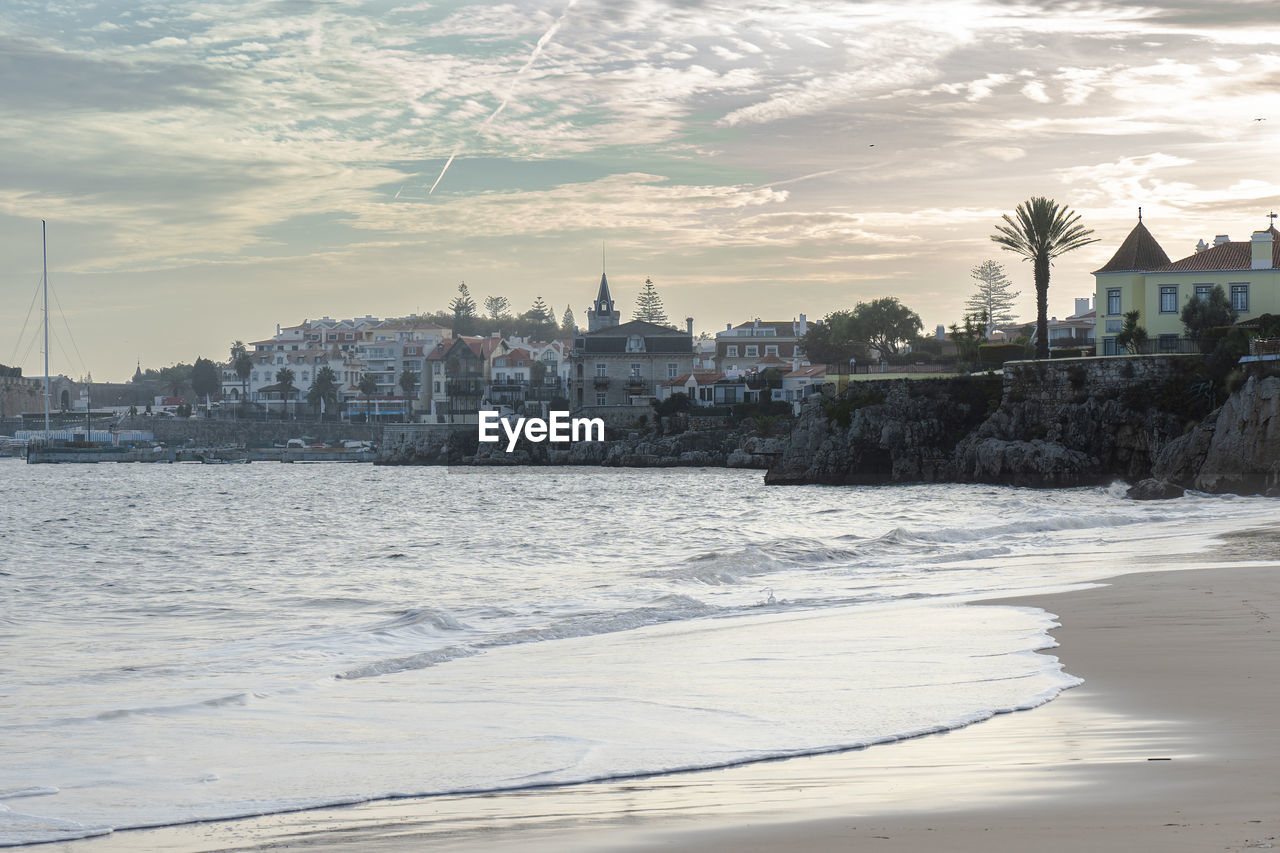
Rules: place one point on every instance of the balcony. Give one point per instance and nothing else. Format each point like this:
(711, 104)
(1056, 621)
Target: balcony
(601, 381)
(464, 387)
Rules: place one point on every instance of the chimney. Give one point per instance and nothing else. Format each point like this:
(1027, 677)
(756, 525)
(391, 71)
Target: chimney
(1082, 306)
(1220, 239)
(688, 325)
(1201, 246)
(1263, 243)
(804, 325)
(728, 327)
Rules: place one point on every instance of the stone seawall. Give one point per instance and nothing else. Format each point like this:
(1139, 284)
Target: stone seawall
(443, 444)
(210, 432)
(1065, 422)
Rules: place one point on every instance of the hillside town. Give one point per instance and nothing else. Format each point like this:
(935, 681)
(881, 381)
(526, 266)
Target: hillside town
(447, 366)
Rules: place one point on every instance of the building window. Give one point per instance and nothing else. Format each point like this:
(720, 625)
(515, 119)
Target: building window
(1113, 301)
(437, 386)
(1169, 299)
(1115, 325)
(601, 398)
(1108, 346)
(731, 352)
(1240, 297)
(635, 369)
(1203, 290)
(602, 369)
(672, 368)
(753, 352)
(771, 350)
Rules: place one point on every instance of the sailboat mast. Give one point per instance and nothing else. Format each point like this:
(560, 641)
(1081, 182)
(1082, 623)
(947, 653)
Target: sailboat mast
(44, 251)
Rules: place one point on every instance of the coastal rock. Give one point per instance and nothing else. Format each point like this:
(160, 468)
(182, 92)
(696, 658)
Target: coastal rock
(1152, 489)
(1237, 450)
(1069, 422)
(1026, 463)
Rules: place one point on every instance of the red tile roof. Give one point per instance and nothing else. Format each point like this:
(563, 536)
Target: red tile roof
(1224, 256)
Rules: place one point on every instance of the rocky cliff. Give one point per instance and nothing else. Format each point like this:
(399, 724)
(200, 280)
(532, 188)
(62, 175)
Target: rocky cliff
(1234, 450)
(1069, 423)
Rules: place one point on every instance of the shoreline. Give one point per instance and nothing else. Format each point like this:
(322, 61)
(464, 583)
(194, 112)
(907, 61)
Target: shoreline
(1167, 745)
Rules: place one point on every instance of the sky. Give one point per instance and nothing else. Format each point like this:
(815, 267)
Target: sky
(210, 169)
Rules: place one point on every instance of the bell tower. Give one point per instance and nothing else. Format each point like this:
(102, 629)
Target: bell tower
(602, 314)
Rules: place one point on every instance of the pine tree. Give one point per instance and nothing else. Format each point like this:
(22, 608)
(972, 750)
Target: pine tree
(649, 305)
(992, 297)
(463, 308)
(496, 306)
(568, 321)
(540, 309)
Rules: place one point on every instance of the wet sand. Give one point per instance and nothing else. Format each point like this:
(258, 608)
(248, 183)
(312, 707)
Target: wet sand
(1172, 744)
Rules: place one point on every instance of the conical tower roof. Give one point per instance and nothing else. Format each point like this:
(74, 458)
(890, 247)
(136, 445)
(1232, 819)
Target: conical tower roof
(1138, 252)
(603, 295)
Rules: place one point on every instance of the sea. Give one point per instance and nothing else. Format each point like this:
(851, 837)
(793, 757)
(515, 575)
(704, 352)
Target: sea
(182, 643)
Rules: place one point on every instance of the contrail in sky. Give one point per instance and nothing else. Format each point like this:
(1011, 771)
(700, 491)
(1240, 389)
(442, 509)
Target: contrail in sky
(801, 178)
(506, 99)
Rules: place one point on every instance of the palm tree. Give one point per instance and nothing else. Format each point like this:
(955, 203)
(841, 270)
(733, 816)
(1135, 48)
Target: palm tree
(285, 377)
(324, 388)
(368, 386)
(408, 382)
(1042, 231)
(242, 363)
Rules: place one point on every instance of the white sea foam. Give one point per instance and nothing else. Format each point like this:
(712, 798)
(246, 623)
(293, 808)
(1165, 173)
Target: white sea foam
(508, 629)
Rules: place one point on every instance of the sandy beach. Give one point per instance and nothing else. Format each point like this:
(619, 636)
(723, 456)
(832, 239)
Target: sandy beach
(1171, 744)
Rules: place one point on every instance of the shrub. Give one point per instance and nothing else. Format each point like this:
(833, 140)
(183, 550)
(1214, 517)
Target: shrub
(998, 354)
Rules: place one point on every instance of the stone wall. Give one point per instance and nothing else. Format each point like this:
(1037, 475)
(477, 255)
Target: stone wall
(211, 432)
(443, 444)
(19, 394)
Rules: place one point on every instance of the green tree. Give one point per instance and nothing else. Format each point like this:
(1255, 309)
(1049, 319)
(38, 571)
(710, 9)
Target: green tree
(463, 308)
(1132, 336)
(285, 377)
(968, 337)
(539, 323)
(885, 324)
(175, 378)
(368, 385)
(833, 340)
(567, 321)
(496, 307)
(206, 379)
(649, 305)
(1042, 231)
(992, 294)
(408, 382)
(242, 362)
(324, 389)
(1200, 315)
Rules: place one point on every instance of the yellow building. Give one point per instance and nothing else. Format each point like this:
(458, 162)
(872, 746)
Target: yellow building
(1141, 276)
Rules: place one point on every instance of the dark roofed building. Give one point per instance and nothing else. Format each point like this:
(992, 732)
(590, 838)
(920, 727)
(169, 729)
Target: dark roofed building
(1139, 251)
(627, 364)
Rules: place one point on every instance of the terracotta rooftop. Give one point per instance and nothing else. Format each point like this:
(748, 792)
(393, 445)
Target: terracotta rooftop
(1236, 255)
